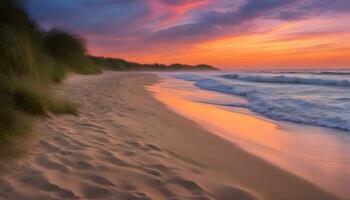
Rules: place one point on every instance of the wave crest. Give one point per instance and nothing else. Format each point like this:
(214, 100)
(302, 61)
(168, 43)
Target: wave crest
(287, 80)
(275, 106)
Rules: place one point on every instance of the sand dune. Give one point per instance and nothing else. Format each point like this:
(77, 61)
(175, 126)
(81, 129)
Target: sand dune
(126, 145)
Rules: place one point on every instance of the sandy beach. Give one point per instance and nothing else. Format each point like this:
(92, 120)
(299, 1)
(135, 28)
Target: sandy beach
(126, 145)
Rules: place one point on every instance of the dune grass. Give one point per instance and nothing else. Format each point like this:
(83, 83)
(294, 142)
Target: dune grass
(69, 50)
(30, 60)
(63, 107)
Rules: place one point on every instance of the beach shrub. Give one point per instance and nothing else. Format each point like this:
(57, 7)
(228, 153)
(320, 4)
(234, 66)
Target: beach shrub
(121, 65)
(69, 50)
(31, 59)
(113, 63)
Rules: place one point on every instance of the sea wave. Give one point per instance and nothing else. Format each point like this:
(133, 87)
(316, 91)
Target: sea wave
(287, 79)
(331, 73)
(277, 107)
(312, 72)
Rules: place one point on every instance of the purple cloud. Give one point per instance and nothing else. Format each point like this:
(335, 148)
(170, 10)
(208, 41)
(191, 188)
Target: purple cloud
(212, 22)
(130, 24)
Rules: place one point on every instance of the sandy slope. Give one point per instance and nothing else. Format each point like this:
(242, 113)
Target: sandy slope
(126, 145)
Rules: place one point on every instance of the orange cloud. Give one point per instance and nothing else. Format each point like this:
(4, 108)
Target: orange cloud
(224, 33)
(174, 12)
(188, 5)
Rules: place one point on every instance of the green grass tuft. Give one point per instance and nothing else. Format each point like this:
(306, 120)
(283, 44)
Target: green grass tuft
(28, 99)
(12, 124)
(8, 120)
(63, 107)
(57, 72)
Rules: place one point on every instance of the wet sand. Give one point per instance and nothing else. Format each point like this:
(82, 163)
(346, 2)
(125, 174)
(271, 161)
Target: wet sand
(319, 155)
(126, 145)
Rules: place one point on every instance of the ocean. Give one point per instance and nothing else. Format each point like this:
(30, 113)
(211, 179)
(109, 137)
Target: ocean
(316, 98)
(297, 120)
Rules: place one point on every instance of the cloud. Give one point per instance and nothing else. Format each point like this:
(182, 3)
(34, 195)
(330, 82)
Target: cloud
(211, 22)
(142, 26)
(175, 2)
(89, 16)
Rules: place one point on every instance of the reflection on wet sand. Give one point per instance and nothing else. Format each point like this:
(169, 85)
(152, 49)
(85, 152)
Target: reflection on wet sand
(309, 152)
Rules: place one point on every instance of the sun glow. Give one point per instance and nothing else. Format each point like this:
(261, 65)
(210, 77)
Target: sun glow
(318, 42)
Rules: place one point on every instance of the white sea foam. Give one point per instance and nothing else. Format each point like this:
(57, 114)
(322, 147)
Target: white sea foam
(287, 79)
(281, 99)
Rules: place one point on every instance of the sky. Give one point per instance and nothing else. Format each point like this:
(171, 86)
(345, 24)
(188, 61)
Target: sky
(225, 33)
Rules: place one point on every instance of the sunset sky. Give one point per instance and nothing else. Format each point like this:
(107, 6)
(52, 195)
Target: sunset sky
(224, 33)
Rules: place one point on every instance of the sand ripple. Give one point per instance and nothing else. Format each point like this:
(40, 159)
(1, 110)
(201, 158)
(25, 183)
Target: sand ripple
(105, 154)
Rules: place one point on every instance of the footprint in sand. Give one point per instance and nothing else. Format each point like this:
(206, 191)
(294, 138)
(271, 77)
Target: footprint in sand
(84, 165)
(152, 147)
(127, 187)
(102, 139)
(231, 192)
(150, 171)
(94, 192)
(48, 147)
(111, 158)
(190, 186)
(137, 196)
(158, 167)
(5, 187)
(99, 180)
(40, 182)
(161, 188)
(44, 161)
(128, 153)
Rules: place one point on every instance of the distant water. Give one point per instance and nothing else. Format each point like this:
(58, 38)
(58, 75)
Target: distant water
(319, 98)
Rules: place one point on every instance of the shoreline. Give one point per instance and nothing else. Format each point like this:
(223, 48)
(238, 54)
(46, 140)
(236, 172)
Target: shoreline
(126, 144)
(292, 147)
